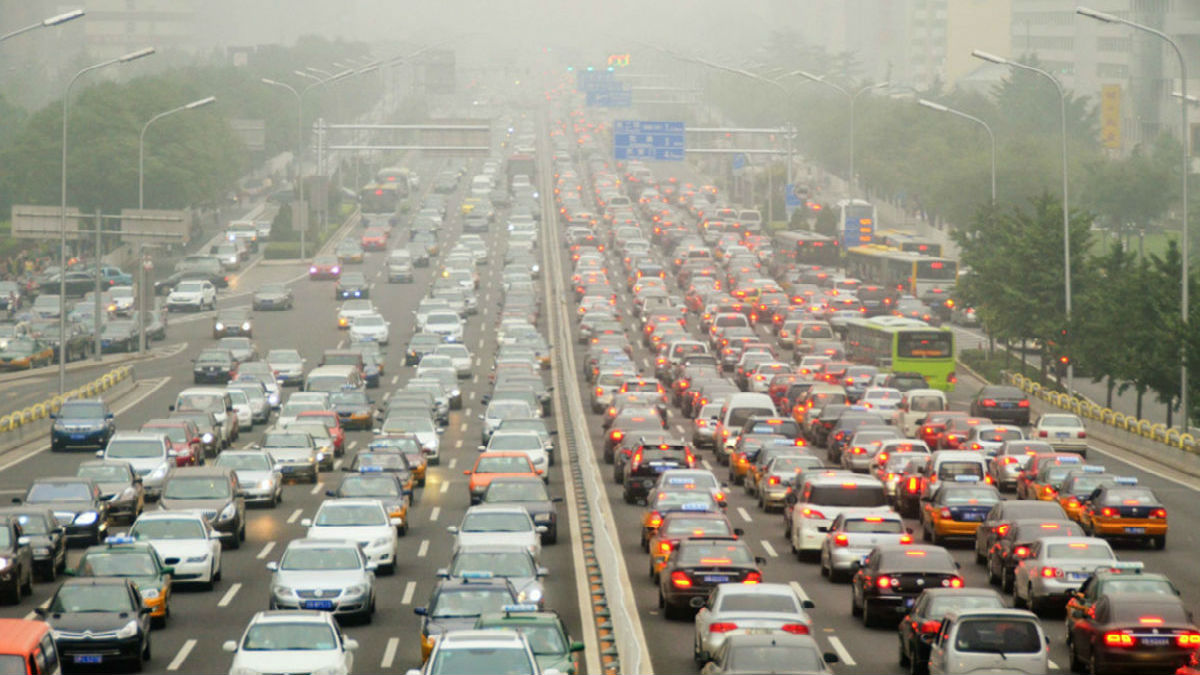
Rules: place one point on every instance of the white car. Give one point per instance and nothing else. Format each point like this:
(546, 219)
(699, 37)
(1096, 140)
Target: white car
(989, 438)
(884, 399)
(352, 309)
(460, 358)
(915, 406)
(482, 651)
(287, 365)
(185, 541)
(192, 295)
(989, 641)
(148, 454)
(362, 520)
(823, 497)
(1063, 431)
(369, 328)
(445, 323)
(292, 641)
(1055, 568)
(121, 300)
(737, 609)
(486, 524)
(241, 408)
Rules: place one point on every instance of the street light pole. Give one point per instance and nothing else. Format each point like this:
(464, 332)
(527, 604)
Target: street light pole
(142, 141)
(1183, 131)
(299, 214)
(991, 136)
(1066, 205)
(62, 214)
(55, 20)
(850, 177)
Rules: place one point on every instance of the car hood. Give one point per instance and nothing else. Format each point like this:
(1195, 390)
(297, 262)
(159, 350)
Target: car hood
(300, 661)
(72, 507)
(359, 534)
(320, 578)
(95, 622)
(469, 539)
(180, 548)
(107, 489)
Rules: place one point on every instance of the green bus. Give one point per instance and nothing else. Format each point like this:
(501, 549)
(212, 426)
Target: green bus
(905, 345)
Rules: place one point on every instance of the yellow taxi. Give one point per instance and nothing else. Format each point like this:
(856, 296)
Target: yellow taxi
(1125, 510)
(955, 509)
(1078, 485)
(664, 501)
(468, 205)
(26, 354)
(682, 524)
(123, 556)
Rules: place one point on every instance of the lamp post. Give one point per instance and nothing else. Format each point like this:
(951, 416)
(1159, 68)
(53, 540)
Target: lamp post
(299, 209)
(1183, 131)
(850, 178)
(958, 113)
(1066, 205)
(62, 214)
(55, 20)
(142, 142)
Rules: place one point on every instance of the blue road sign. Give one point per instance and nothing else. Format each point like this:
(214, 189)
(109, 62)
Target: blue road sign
(639, 139)
(794, 196)
(596, 80)
(739, 161)
(621, 97)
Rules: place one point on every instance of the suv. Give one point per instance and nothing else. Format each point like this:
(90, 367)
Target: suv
(826, 495)
(648, 461)
(212, 491)
(81, 423)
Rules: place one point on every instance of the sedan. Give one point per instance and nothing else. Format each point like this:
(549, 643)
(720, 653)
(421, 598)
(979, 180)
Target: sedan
(328, 576)
(352, 285)
(359, 520)
(99, 621)
(273, 297)
(784, 655)
(324, 267)
(259, 480)
(699, 565)
(118, 336)
(369, 328)
(232, 322)
(497, 524)
(185, 541)
(739, 609)
(26, 354)
(1001, 403)
(1063, 431)
(293, 642)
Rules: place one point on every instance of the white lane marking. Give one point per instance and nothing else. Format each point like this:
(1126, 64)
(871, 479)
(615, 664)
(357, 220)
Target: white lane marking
(182, 655)
(423, 549)
(769, 549)
(395, 379)
(229, 594)
(409, 589)
(341, 344)
(706, 465)
(1053, 665)
(799, 590)
(453, 462)
(352, 445)
(295, 516)
(266, 550)
(470, 396)
(316, 488)
(337, 465)
(475, 379)
(433, 514)
(842, 652)
(457, 444)
(462, 427)
(744, 514)
(445, 487)
(389, 652)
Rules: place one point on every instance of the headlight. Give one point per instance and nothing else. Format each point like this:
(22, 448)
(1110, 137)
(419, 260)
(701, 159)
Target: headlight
(160, 472)
(283, 591)
(382, 541)
(530, 595)
(357, 589)
(86, 518)
(5, 563)
(273, 399)
(128, 630)
(456, 393)
(228, 512)
(206, 438)
(149, 593)
(265, 484)
(128, 492)
(246, 326)
(320, 456)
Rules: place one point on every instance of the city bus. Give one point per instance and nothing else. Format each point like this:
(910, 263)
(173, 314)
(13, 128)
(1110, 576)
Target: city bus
(911, 273)
(856, 222)
(379, 204)
(806, 248)
(902, 345)
(521, 164)
(909, 242)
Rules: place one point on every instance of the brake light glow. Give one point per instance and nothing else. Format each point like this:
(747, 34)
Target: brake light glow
(801, 629)
(1020, 551)
(841, 540)
(722, 627)
(680, 579)
(752, 578)
(884, 582)
(1188, 640)
(1051, 572)
(1116, 639)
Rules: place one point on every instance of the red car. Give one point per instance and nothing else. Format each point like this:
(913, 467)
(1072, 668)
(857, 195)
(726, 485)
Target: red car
(374, 239)
(324, 267)
(336, 432)
(183, 437)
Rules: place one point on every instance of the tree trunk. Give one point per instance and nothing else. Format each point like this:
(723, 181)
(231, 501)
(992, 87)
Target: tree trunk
(1170, 411)
(1140, 391)
(1108, 398)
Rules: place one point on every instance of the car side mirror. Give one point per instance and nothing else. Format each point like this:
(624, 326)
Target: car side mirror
(41, 611)
(452, 529)
(738, 532)
(108, 416)
(272, 566)
(350, 644)
(306, 522)
(577, 647)
(53, 416)
(143, 611)
(808, 604)
(229, 646)
(420, 611)
(830, 657)
(172, 409)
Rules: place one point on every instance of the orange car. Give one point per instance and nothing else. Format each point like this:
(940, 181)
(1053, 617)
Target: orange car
(1124, 510)
(490, 465)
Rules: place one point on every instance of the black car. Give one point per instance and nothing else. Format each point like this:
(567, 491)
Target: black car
(1001, 403)
(78, 505)
(81, 423)
(218, 278)
(91, 617)
(118, 336)
(119, 485)
(80, 341)
(698, 565)
(213, 366)
(1012, 546)
(886, 584)
(351, 285)
(47, 541)
(233, 322)
(16, 562)
(906, 381)
(420, 345)
(647, 462)
(529, 492)
(273, 297)
(1134, 633)
(1000, 519)
(925, 618)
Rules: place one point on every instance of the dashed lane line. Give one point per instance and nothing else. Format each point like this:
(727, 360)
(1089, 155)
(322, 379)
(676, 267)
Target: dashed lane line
(266, 550)
(744, 514)
(409, 589)
(842, 652)
(798, 590)
(182, 655)
(445, 487)
(317, 488)
(423, 549)
(389, 652)
(453, 462)
(435, 512)
(295, 516)
(229, 595)
(769, 549)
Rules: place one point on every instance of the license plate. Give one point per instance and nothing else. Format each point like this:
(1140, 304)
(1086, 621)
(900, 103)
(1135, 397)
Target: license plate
(1062, 434)
(77, 437)
(1156, 641)
(1135, 530)
(661, 468)
(1007, 404)
(972, 516)
(758, 631)
(1077, 576)
(316, 604)
(716, 578)
(909, 602)
(88, 658)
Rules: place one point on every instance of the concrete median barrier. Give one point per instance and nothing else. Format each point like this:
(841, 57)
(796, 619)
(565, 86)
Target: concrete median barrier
(34, 421)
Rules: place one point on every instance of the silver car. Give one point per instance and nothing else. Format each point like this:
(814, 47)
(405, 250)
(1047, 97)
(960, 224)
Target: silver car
(498, 524)
(149, 455)
(325, 575)
(989, 641)
(1055, 568)
(753, 608)
(294, 452)
(259, 477)
(514, 563)
(852, 536)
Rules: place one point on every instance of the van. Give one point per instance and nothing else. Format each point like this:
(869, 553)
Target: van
(823, 496)
(214, 400)
(915, 406)
(333, 378)
(989, 640)
(31, 643)
(739, 408)
(949, 465)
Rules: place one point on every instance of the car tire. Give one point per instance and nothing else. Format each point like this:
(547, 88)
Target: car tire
(1094, 667)
(855, 608)
(869, 617)
(992, 578)
(1159, 542)
(235, 542)
(27, 587)
(1006, 580)
(1074, 663)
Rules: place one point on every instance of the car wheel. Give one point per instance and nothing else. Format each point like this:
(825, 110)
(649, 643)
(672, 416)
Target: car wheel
(992, 577)
(1094, 666)
(869, 618)
(855, 608)
(1159, 542)
(1006, 580)
(1075, 663)
(27, 587)
(1018, 601)
(235, 542)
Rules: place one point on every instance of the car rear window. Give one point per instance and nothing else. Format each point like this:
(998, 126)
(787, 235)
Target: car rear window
(848, 494)
(1004, 636)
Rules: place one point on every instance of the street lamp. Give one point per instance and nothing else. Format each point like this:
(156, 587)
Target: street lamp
(142, 141)
(1183, 131)
(991, 136)
(850, 178)
(299, 210)
(1066, 205)
(55, 20)
(62, 214)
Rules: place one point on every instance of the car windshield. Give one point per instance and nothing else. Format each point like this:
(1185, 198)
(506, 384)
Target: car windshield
(512, 491)
(942, 605)
(470, 602)
(286, 440)
(53, 492)
(1060, 421)
(1079, 550)
(998, 635)
(177, 434)
(758, 602)
(502, 465)
(496, 522)
(275, 356)
(499, 563)
(971, 496)
(167, 528)
(349, 398)
(80, 410)
(515, 442)
(134, 449)
(73, 598)
(30, 524)
(139, 564)
(249, 461)
(196, 487)
(849, 494)
(369, 486)
(200, 402)
(351, 515)
(272, 289)
(322, 558)
(1136, 584)
(297, 636)
(103, 473)
(715, 554)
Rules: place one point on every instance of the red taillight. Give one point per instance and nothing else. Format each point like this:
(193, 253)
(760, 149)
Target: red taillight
(1108, 512)
(989, 402)
(1116, 639)
(664, 547)
(655, 520)
(721, 626)
(1020, 551)
(1001, 530)
(912, 485)
(954, 582)
(1048, 490)
(599, 391)
(1158, 513)
(1051, 572)
(752, 578)
(719, 497)
(774, 480)
(617, 435)
(801, 629)
(884, 582)
(680, 579)
(930, 626)
(1188, 640)
(906, 539)
(812, 513)
(841, 540)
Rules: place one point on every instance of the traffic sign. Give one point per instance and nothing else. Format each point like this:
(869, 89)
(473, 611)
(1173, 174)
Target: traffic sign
(611, 98)
(794, 197)
(739, 161)
(588, 81)
(653, 140)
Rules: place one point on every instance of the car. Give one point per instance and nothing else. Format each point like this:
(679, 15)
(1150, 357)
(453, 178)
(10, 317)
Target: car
(852, 536)
(497, 524)
(124, 556)
(1042, 480)
(287, 365)
(448, 325)
(191, 294)
(16, 554)
(510, 561)
(888, 580)
(272, 297)
(324, 575)
(214, 366)
(748, 609)
(240, 348)
(998, 521)
(551, 643)
(294, 452)
(822, 497)
(78, 505)
(119, 485)
(419, 345)
(530, 494)
(1133, 632)
(1125, 510)
(457, 603)
(258, 479)
(1001, 403)
(491, 465)
(699, 565)
(148, 453)
(292, 641)
(1006, 465)
(989, 438)
(349, 251)
(47, 542)
(1013, 545)
(925, 619)
(359, 520)
(118, 336)
(351, 310)
(26, 354)
(494, 649)
(185, 541)
(232, 322)
(1063, 431)
(648, 461)
(955, 509)
(81, 423)
(374, 239)
(399, 266)
(1079, 484)
(989, 640)
(390, 483)
(1055, 568)
(324, 267)
(351, 285)
(369, 328)
(99, 621)
(211, 490)
(782, 654)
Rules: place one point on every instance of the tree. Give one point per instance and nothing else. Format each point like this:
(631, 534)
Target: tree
(1130, 193)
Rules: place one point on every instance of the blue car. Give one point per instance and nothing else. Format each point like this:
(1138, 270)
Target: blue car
(81, 424)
